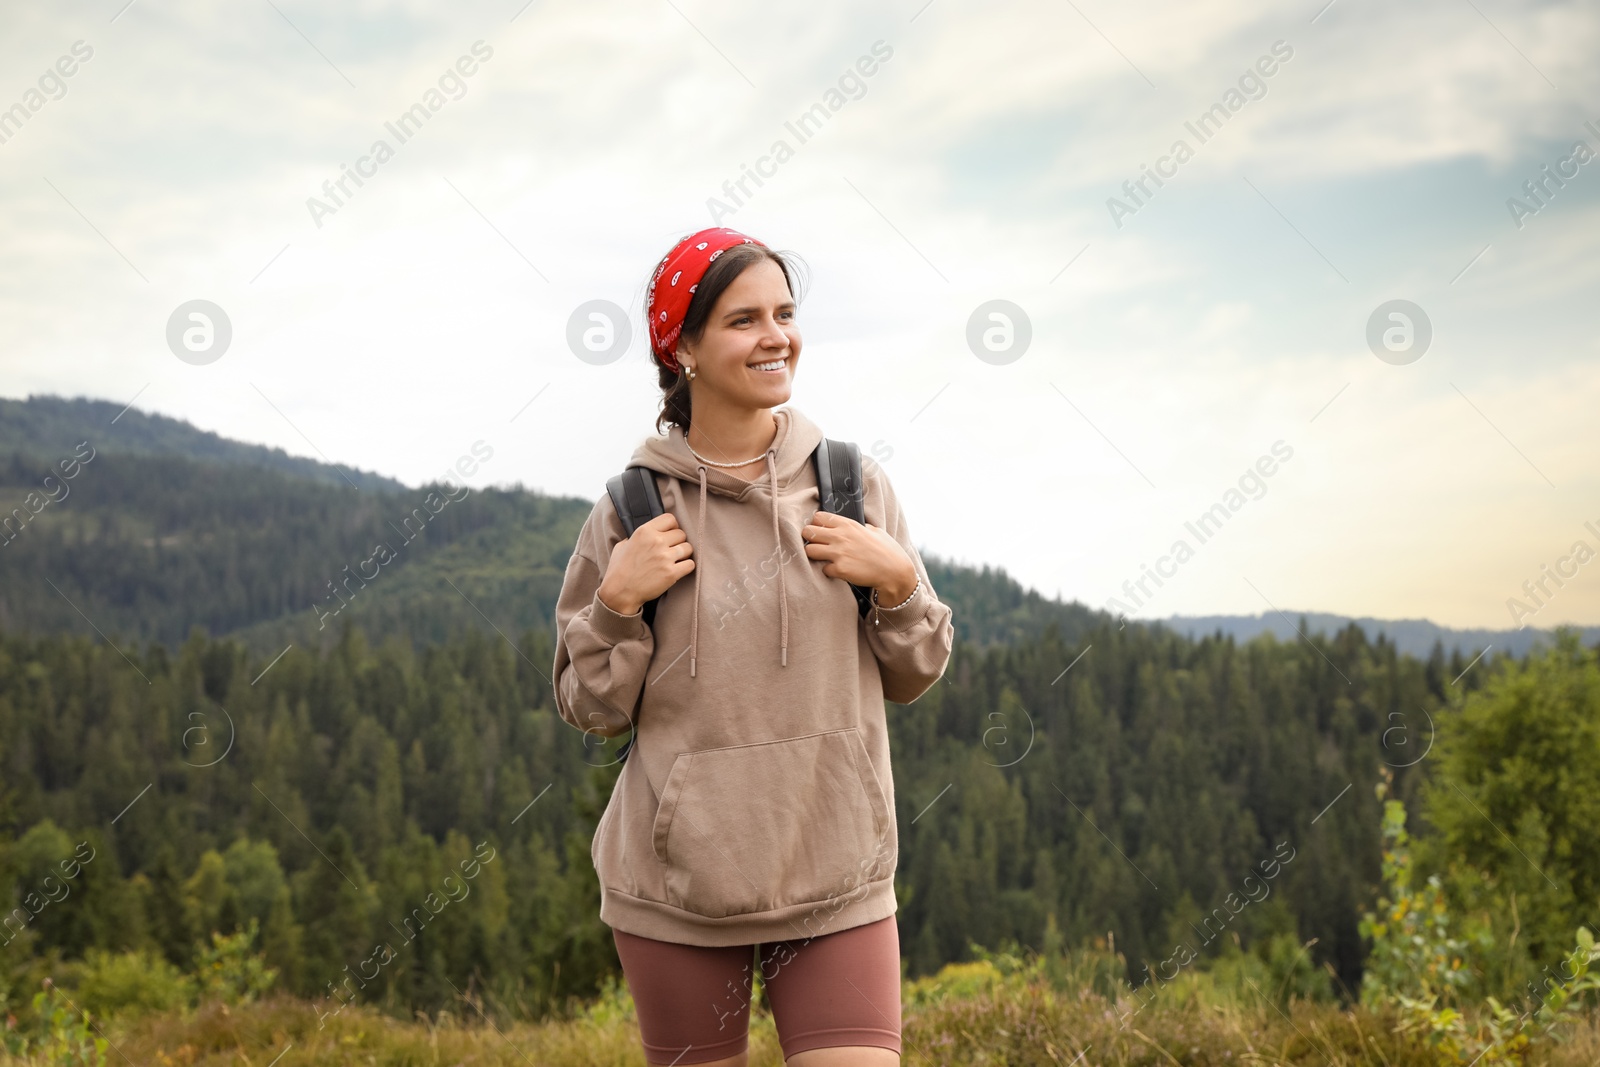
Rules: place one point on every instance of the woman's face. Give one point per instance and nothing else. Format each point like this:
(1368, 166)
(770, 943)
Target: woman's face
(753, 323)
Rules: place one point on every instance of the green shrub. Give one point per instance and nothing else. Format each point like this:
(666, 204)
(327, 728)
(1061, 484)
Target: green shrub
(57, 1033)
(131, 984)
(228, 971)
(612, 1007)
(1511, 804)
(954, 981)
(1419, 968)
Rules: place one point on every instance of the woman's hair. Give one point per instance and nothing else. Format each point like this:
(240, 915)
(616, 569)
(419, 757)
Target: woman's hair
(674, 385)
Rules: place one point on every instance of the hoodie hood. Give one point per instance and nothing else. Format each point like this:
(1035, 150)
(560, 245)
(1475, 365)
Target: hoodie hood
(788, 456)
(796, 439)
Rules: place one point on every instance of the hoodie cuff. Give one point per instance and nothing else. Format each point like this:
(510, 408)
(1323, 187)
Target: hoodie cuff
(615, 628)
(912, 611)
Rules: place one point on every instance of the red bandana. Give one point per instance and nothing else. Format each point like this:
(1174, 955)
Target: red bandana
(683, 268)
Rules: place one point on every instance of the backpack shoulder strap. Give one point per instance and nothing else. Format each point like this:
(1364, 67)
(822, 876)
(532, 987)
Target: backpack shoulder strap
(637, 500)
(840, 489)
(634, 494)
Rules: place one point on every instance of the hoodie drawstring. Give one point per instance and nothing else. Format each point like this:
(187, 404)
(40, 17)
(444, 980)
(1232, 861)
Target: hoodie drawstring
(777, 543)
(700, 524)
(777, 548)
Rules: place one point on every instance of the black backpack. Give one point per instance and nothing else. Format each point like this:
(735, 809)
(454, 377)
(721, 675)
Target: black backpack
(839, 490)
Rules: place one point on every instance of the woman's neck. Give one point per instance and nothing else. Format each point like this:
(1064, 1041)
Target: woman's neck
(729, 436)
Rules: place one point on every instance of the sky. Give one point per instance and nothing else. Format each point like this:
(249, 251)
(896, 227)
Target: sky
(1227, 341)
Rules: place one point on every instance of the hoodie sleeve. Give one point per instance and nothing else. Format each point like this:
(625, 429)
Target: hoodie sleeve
(912, 642)
(601, 656)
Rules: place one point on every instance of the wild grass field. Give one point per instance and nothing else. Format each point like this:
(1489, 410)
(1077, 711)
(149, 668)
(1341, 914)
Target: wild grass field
(1002, 1009)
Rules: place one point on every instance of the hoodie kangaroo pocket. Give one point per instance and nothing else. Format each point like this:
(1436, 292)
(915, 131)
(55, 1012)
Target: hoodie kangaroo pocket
(755, 827)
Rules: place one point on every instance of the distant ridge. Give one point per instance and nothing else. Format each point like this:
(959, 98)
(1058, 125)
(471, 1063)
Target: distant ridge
(1413, 636)
(50, 426)
(180, 541)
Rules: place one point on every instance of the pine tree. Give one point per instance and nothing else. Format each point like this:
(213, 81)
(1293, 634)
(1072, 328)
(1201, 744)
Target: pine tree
(281, 942)
(335, 907)
(166, 909)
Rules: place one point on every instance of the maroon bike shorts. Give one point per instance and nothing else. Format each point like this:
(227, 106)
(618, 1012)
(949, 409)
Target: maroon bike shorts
(693, 1002)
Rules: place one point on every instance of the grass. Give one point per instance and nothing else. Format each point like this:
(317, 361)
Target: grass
(968, 1014)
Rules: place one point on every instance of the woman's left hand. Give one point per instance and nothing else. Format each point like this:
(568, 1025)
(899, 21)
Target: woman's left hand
(861, 554)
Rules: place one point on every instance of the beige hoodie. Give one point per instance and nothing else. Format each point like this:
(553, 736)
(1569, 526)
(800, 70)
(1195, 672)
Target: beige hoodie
(757, 802)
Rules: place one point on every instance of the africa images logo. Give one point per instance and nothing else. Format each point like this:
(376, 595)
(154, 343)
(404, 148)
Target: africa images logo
(1252, 86)
(410, 122)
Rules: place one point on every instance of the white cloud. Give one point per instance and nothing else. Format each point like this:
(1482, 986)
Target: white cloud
(408, 325)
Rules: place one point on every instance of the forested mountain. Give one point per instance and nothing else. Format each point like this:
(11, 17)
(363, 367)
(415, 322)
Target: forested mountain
(147, 547)
(52, 426)
(183, 529)
(994, 608)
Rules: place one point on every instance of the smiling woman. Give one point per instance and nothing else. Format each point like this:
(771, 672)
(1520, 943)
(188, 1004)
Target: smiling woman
(757, 805)
(741, 283)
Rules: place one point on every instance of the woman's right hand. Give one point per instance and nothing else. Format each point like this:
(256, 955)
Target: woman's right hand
(646, 565)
